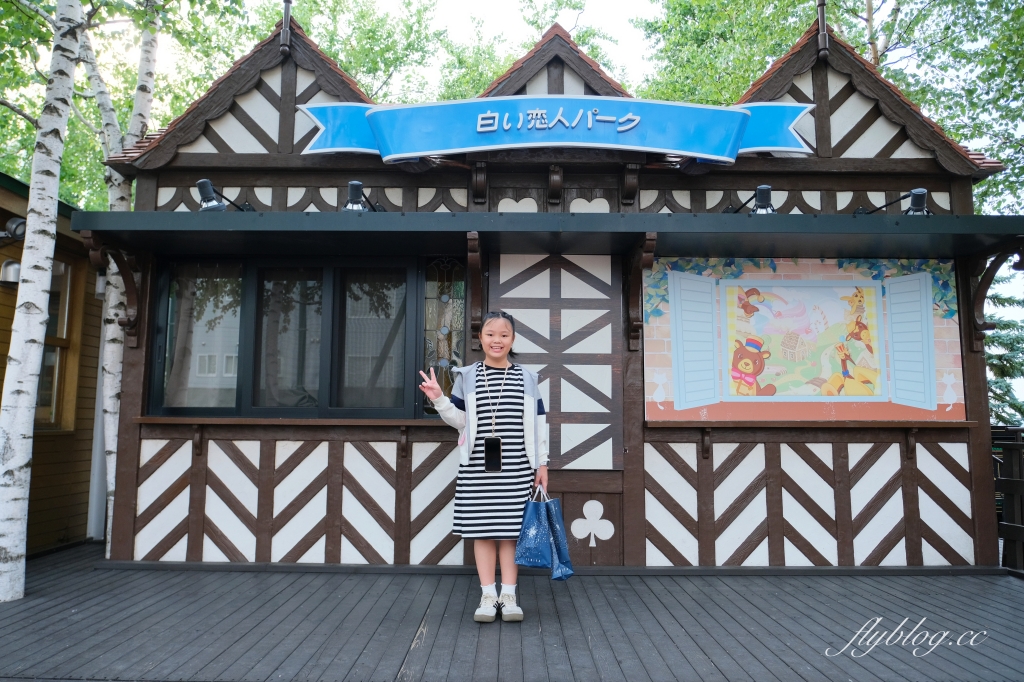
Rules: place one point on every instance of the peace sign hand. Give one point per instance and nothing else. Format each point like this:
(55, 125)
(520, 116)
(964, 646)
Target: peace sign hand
(429, 385)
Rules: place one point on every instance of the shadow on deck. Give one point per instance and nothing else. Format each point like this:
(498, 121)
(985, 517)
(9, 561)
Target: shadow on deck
(82, 622)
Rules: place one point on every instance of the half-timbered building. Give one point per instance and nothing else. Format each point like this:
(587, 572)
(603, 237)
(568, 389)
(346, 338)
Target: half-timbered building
(803, 388)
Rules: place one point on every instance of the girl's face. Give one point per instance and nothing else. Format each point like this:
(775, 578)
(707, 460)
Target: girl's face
(496, 337)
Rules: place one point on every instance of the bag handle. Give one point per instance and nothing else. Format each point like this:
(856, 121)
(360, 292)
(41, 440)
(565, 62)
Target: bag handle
(539, 490)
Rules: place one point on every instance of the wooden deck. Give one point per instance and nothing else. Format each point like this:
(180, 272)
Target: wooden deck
(82, 622)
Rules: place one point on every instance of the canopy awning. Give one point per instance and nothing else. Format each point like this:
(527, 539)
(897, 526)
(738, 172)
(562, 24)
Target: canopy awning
(679, 234)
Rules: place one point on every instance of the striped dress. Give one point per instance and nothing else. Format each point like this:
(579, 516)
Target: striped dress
(490, 505)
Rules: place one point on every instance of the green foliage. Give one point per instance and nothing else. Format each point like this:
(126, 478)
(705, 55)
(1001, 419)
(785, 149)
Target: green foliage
(471, 67)
(541, 14)
(710, 51)
(1004, 356)
(941, 270)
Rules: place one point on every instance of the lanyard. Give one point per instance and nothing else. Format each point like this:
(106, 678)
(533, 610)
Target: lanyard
(494, 405)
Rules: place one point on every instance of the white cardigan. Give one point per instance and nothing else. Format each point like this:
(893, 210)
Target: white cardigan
(454, 412)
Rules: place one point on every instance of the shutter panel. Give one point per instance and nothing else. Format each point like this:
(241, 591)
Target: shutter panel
(911, 340)
(695, 372)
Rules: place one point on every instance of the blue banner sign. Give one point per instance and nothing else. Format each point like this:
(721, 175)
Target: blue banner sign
(404, 132)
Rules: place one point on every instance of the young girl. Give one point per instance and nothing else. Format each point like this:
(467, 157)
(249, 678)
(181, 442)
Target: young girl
(494, 398)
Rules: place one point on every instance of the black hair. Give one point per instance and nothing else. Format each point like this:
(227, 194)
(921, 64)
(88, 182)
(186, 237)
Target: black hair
(500, 315)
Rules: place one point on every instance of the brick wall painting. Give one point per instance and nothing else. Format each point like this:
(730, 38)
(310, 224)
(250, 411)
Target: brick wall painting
(761, 339)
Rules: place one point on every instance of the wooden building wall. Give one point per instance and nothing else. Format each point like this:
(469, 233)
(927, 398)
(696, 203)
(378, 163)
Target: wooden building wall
(840, 494)
(61, 456)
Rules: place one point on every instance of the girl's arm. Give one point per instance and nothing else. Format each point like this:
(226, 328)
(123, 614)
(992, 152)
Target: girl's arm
(452, 415)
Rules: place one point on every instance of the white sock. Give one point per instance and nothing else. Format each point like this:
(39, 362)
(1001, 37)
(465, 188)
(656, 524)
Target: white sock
(491, 590)
(508, 589)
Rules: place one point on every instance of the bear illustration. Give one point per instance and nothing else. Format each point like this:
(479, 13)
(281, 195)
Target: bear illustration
(747, 364)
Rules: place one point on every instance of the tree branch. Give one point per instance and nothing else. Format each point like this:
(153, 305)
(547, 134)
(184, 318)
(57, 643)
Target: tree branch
(90, 126)
(111, 127)
(21, 112)
(33, 8)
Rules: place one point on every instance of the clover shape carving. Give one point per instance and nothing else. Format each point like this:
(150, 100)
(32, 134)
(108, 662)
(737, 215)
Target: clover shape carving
(592, 524)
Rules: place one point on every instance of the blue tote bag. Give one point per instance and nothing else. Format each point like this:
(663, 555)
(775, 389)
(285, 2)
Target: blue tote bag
(561, 566)
(534, 545)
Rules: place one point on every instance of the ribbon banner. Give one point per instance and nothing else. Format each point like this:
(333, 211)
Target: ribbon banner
(407, 132)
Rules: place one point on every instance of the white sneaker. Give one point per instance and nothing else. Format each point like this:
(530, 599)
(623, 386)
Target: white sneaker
(510, 611)
(487, 610)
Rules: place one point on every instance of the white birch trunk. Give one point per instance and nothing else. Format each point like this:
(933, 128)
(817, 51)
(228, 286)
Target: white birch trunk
(18, 406)
(113, 351)
(119, 197)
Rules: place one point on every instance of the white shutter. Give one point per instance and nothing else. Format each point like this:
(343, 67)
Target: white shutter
(692, 307)
(911, 340)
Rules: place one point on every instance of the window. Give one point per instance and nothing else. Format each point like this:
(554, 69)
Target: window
(312, 339)
(444, 315)
(291, 304)
(207, 366)
(201, 322)
(55, 349)
(373, 355)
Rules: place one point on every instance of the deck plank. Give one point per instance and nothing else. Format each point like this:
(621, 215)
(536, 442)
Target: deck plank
(82, 620)
(440, 659)
(417, 654)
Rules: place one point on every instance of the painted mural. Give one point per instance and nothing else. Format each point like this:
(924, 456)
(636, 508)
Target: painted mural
(801, 340)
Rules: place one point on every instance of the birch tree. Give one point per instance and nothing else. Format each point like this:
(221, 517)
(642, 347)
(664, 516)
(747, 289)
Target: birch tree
(18, 406)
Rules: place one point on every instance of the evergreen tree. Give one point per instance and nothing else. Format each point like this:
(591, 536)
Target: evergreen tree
(1004, 355)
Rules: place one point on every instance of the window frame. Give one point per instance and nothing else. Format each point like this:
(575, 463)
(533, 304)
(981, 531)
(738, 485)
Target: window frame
(330, 348)
(69, 357)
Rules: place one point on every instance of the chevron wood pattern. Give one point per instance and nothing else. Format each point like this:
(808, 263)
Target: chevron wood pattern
(741, 510)
(161, 522)
(368, 503)
(876, 505)
(434, 468)
(944, 494)
(670, 494)
(808, 504)
(300, 502)
(232, 499)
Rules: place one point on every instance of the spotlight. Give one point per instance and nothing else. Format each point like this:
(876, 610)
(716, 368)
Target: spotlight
(15, 229)
(918, 202)
(208, 199)
(10, 273)
(355, 197)
(763, 200)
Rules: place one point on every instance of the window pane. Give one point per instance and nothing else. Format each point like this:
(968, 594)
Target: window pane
(445, 313)
(373, 363)
(202, 326)
(60, 287)
(289, 357)
(48, 398)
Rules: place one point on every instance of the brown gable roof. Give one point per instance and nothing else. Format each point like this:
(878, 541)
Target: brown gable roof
(556, 42)
(894, 104)
(156, 149)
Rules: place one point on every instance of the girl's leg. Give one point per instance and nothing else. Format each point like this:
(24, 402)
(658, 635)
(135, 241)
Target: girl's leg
(485, 552)
(507, 555)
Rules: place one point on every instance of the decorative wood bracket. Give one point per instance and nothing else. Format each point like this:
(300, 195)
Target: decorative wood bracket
(911, 443)
(556, 180)
(643, 259)
(476, 288)
(630, 184)
(979, 289)
(478, 183)
(98, 253)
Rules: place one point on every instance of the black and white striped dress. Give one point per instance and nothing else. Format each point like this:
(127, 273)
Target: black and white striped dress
(490, 505)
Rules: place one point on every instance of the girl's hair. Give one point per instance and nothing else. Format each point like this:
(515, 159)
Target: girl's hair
(499, 315)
